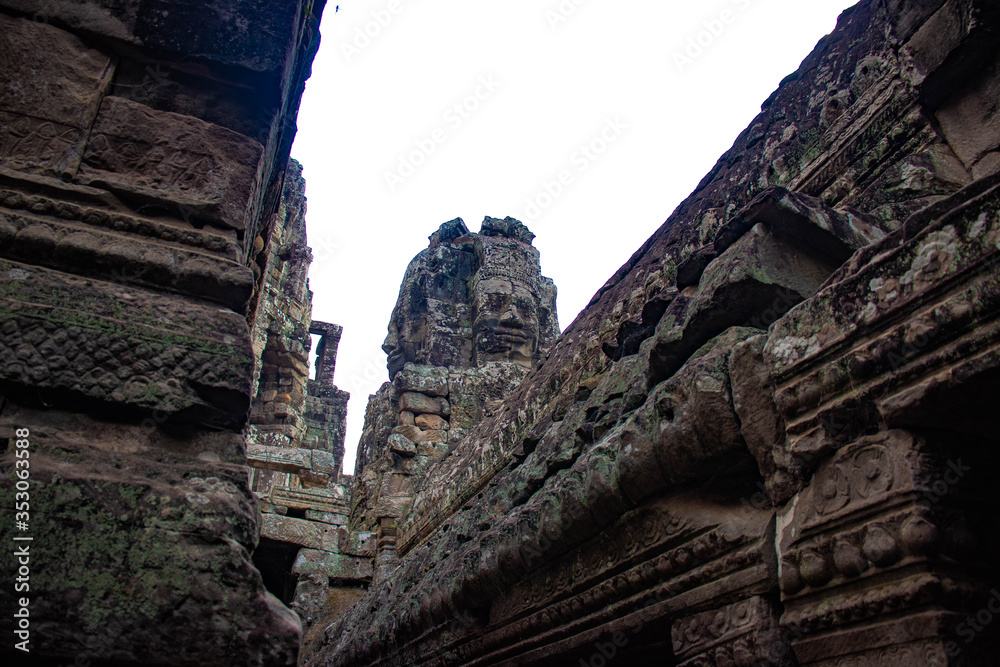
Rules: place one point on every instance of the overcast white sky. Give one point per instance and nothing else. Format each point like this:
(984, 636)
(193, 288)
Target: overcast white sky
(421, 111)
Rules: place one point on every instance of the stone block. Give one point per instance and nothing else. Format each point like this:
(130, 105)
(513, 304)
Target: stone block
(332, 565)
(217, 32)
(418, 403)
(417, 435)
(762, 427)
(51, 84)
(209, 169)
(332, 518)
(166, 522)
(124, 345)
(324, 462)
(749, 629)
(360, 544)
(472, 388)
(433, 437)
(970, 126)
(410, 432)
(309, 534)
(323, 500)
(430, 380)
(75, 240)
(281, 459)
(431, 423)
(401, 445)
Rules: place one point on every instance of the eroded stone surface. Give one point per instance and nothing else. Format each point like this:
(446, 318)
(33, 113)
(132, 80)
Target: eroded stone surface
(128, 278)
(45, 126)
(793, 368)
(469, 299)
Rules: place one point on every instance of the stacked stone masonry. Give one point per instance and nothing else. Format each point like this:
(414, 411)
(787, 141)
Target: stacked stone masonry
(769, 439)
(143, 155)
(295, 448)
(474, 316)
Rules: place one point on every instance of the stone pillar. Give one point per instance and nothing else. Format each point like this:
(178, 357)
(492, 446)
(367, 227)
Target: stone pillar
(875, 556)
(326, 352)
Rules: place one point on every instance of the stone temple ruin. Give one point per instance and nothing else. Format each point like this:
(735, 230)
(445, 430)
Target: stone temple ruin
(769, 439)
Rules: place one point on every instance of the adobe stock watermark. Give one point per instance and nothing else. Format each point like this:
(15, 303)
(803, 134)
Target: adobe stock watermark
(325, 248)
(974, 625)
(21, 548)
(363, 377)
(562, 12)
(711, 31)
(364, 35)
(580, 160)
(454, 118)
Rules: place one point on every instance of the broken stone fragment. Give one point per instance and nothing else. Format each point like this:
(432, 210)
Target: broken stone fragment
(402, 445)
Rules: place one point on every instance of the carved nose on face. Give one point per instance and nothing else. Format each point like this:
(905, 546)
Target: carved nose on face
(512, 320)
(389, 344)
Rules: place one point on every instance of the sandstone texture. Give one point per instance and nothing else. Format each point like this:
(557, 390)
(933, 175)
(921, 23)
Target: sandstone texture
(768, 439)
(474, 315)
(143, 160)
(295, 443)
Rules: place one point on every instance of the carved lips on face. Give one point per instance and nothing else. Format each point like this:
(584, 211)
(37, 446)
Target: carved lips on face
(506, 329)
(396, 355)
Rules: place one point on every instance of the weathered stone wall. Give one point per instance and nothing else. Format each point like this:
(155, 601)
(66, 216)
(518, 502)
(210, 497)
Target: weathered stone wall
(143, 152)
(306, 555)
(280, 330)
(769, 438)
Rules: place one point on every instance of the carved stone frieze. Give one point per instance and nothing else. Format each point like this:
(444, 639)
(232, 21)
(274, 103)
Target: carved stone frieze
(744, 633)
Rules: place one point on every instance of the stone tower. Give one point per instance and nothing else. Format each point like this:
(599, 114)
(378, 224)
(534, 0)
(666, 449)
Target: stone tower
(473, 317)
(771, 437)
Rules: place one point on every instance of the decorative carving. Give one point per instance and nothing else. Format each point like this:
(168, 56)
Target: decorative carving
(167, 357)
(39, 146)
(158, 155)
(865, 354)
(743, 633)
(491, 279)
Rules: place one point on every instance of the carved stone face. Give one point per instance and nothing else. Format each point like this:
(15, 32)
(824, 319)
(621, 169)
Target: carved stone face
(430, 323)
(469, 299)
(396, 355)
(505, 327)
